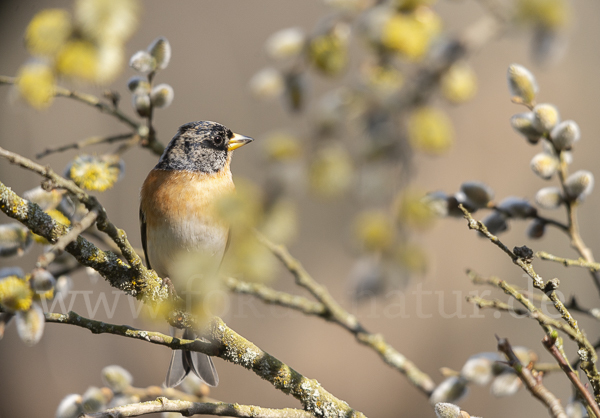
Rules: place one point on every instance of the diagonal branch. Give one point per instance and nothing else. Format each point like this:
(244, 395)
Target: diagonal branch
(232, 347)
(533, 383)
(549, 343)
(91, 203)
(335, 313)
(587, 352)
(274, 297)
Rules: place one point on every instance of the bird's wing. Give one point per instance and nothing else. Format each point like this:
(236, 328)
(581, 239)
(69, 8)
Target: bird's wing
(143, 233)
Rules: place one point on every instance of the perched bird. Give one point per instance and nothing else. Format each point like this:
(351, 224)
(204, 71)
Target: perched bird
(183, 236)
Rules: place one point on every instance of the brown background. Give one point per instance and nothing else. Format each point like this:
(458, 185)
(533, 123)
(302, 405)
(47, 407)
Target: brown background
(217, 47)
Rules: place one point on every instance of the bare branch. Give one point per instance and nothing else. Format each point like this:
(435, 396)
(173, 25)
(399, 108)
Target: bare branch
(230, 346)
(567, 262)
(335, 313)
(188, 408)
(272, 296)
(533, 383)
(155, 146)
(549, 343)
(587, 352)
(84, 143)
(576, 240)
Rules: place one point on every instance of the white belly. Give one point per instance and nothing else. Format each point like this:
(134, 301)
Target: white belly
(187, 252)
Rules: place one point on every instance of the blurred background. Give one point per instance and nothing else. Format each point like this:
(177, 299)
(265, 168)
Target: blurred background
(217, 48)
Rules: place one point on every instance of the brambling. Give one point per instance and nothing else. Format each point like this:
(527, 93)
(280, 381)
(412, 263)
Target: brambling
(183, 237)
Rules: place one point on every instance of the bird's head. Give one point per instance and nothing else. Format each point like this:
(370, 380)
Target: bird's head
(202, 146)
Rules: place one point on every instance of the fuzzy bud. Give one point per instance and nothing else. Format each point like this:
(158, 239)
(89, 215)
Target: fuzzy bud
(143, 62)
(69, 407)
(447, 410)
(438, 202)
(565, 134)
(63, 286)
(579, 185)
(30, 324)
(162, 96)
(286, 43)
(549, 198)
(576, 409)
(42, 280)
(544, 165)
(545, 117)
(477, 193)
(94, 400)
(505, 384)
(15, 239)
(478, 368)
(450, 390)
(536, 229)
(160, 50)
(138, 85)
(267, 83)
(495, 222)
(521, 83)
(516, 207)
(523, 124)
(141, 104)
(116, 378)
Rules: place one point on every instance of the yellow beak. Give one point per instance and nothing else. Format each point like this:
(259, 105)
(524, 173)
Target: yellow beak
(238, 141)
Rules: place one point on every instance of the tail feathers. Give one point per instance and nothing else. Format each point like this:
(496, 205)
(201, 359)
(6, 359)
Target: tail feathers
(184, 361)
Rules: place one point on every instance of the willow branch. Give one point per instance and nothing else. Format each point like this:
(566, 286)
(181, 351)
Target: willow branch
(338, 315)
(274, 297)
(576, 240)
(91, 203)
(549, 343)
(533, 383)
(567, 262)
(140, 282)
(587, 352)
(495, 304)
(48, 257)
(84, 143)
(232, 347)
(188, 408)
(155, 146)
(538, 282)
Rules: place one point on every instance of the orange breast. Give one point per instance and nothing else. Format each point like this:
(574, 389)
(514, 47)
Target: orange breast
(181, 217)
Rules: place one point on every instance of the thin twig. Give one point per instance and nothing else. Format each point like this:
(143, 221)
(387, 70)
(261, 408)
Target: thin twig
(549, 343)
(48, 257)
(576, 239)
(525, 265)
(336, 314)
(272, 296)
(567, 262)
(188, 408)
(155, 146)
(533, 383)
(495, 304)
(232, 347)
(95, 140)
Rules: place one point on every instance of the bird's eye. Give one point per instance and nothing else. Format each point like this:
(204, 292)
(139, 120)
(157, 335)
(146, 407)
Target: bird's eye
(218, 141)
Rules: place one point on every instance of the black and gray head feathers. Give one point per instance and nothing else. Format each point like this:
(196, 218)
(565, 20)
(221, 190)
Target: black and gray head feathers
(199, 147)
